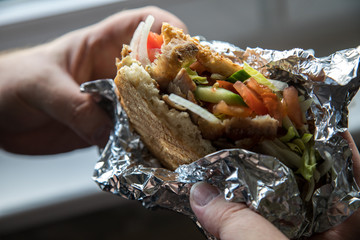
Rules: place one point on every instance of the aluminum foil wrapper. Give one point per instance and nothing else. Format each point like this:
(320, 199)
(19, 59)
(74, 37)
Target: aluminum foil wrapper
(127, 169)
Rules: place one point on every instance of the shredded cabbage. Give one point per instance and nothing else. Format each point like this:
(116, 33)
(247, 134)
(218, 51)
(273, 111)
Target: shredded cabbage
(258, 77)
(289, 135)
(308, 164)
(194, 75)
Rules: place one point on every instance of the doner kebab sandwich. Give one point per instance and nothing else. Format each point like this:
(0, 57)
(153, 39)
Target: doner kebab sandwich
(186, 101)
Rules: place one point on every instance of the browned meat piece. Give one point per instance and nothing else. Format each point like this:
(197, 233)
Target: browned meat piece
(215, 63)
(210, 131)
(180, 48)
(181, 84)
(260, 126)
(173, 57)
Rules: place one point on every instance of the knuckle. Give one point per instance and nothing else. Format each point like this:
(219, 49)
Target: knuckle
(229, 218)
(152, 9)
(230, 213)
(82, 109)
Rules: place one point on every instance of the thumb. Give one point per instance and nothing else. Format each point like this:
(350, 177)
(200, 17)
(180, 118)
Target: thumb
(80, 112)
(228, 220)
(61, 99)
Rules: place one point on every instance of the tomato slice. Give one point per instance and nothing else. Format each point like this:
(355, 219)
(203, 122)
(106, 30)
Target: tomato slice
(227, 85)
(293, 108)
(256, 87)
(231, 110)
(251, 98)
(154, 43)
(197, 67)
(270, 100)
(274, 106)
(152, 53)
(154, 40)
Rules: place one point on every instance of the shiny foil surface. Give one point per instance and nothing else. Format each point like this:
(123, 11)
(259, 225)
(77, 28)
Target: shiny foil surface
(127, 169)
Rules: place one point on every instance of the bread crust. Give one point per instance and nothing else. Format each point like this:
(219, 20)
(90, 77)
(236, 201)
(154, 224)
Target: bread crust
(169, 134)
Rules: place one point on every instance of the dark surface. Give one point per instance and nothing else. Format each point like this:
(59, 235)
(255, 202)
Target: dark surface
(128, 221)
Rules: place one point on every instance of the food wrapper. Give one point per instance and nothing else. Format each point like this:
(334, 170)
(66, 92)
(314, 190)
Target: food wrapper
(267, 186)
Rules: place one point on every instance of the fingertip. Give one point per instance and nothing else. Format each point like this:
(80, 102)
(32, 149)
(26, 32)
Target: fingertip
(161, 16)
(355, 154)
(202, 193)
(211, 208)
(228, 220)
(87, 119)
(202, 197)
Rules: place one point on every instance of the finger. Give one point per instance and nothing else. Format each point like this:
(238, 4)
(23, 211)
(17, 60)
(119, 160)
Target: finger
(81, 113)
(227, 220)
(127, 21)
(356, 156)
(119, 28)
(59, 97)
(49, 139)
(162, 16)
(105, 40)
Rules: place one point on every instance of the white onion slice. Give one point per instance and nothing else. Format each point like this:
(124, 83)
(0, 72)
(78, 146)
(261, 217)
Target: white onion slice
(143, 54)
(278, 84)
(135, 41)
(194, 108)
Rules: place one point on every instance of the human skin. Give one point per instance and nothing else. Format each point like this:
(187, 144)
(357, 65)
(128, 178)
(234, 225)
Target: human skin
(41, 107)
(230, 221)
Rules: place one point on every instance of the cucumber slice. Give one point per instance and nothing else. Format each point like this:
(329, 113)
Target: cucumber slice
(240, 75)
(215, 95)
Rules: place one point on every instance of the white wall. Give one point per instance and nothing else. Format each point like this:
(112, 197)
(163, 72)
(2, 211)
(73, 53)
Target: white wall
(324, 25)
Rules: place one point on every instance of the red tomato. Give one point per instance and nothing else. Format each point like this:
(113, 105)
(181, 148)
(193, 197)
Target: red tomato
(235, 111)
(290, 95)
(154, 43)
(251, 98)
(274, 106)
(227, 85)
(270, 100)
(152, 52)
(198, 67)
(256, 87)
(154, 40)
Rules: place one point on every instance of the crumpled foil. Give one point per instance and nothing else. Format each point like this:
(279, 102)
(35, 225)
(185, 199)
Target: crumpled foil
(127, 169)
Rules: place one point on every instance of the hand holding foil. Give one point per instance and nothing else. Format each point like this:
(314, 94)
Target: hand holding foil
(42, 111)
(227, 220)
(262, 182)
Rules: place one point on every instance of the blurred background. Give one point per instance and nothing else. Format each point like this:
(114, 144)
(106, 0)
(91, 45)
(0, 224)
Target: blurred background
(54, 197)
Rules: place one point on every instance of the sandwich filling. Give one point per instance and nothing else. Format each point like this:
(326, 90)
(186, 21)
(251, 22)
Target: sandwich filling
(232, 105)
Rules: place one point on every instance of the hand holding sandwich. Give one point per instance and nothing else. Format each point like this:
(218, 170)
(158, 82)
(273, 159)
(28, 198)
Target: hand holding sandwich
(42, 110)
(229, 221)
